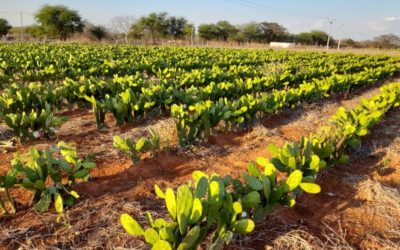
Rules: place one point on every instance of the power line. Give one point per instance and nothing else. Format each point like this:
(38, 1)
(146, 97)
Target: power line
(252, 4)
(239, 3)
(16, 13)
(256, 5)
(280, 10)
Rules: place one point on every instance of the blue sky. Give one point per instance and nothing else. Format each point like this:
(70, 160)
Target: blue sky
(361, 19)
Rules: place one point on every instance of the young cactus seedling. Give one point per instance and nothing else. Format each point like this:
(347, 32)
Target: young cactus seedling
(42, 172)
(135, 149)
(7, 181)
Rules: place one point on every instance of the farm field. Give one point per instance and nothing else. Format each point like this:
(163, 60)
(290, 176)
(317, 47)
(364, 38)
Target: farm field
(309, 140)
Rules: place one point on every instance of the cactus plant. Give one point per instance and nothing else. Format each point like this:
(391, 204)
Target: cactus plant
(35, 169)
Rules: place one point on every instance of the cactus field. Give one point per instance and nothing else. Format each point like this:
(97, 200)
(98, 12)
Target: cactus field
(134, 147)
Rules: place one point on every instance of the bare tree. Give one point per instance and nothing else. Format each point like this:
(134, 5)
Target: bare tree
(387, 41)
(123, 25)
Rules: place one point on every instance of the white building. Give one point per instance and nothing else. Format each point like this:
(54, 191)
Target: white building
(281, 45)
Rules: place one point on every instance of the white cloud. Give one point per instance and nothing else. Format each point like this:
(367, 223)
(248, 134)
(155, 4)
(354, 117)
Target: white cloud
(392, 18)
(319, 24)
(379, 26)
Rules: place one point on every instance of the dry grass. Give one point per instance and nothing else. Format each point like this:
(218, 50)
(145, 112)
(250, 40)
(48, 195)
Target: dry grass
(92, 224)
(301, 239)
(285, 236)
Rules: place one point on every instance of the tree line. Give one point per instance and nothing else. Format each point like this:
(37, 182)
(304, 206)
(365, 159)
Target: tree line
(60, 22)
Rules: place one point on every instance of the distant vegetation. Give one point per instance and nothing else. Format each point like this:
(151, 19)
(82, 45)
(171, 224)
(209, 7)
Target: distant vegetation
(5, 27)
(60, 22)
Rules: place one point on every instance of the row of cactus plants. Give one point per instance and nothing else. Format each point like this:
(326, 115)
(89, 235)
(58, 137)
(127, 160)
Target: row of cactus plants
(196, 122)
(28, 109)
(129, 105)
(224, 206)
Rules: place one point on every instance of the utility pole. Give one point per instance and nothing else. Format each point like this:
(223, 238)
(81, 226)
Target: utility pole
(340, 35)
(329, 34)
(22, 26)
(192, 35)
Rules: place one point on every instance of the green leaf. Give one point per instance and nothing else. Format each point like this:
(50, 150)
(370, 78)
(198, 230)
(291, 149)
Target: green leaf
(314, 164)
(68, 201)
(294, 180)
(292, 163)
(39, 185)
(262, 161)
(266, 187)
(243, 226)
(43, 204)
(217, 244)
(74, 194)
(140, 144)
(184, 203)
(253, 170)
(161, 245)
(170, 202)
(89, 165)
(151, 236)
(130, 225)
(201, 187)
(253, 182)
(273, 149)
(343, 159)
(362, 132)
(353, 142)
(159, 192)
(197, 211)
(191, 238)
(81, 173)
(65, 165)
(269, 169)
(307, 179)
(237, 207)
(226, 115)
(197, 175)
(166, 233)
(150, 219)
(58, 203)
(159, 223)
(310, 188)
(251, 200)
(214, 195)
(289, 201)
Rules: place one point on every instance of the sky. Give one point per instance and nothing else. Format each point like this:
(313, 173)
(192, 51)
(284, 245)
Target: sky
(357, 19)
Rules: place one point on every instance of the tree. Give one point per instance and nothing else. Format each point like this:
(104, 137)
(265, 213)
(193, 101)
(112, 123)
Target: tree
(123, 25)
(226, 30)
(348, 42)
(59, 20)
(222, 30)
(273, 32)
(136, 31)
(189, 32)
(208, 31)
(387, 41)
(155, 24)
(98, 32)
(176, 26)
(5, 27)
(251, 31)
(314, 37)
(320, 37)
(35, 30)
(305, 38)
